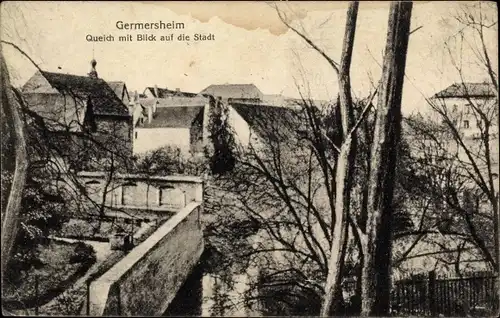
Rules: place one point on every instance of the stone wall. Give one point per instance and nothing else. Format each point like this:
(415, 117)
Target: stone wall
(147, 279)
(153, 193)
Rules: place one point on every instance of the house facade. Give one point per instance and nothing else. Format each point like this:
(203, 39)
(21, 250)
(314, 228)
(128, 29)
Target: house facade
(460, 99)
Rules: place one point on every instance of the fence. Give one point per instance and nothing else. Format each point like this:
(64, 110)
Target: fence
(476, 294)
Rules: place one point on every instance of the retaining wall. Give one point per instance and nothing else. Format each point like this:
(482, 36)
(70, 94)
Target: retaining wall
(147, 279)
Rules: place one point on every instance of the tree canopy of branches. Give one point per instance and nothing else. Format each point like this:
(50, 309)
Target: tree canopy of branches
(309, 169)
(52, 192)
(458, 165)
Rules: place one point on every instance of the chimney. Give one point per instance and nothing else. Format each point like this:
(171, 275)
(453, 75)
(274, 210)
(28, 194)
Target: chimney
(156, 91)
(93, 72)
(136, 96)
(150, 114)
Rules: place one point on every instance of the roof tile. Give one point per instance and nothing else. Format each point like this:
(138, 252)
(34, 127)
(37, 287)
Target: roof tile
(103, 98)
(468, 90)
(234, 91)
(174, 117)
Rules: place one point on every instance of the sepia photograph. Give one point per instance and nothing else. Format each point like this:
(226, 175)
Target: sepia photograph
(250, 158)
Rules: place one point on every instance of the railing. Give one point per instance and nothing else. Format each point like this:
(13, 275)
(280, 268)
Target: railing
(476, 294)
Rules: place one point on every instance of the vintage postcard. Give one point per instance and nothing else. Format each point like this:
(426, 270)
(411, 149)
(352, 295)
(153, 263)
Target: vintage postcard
(254, 158)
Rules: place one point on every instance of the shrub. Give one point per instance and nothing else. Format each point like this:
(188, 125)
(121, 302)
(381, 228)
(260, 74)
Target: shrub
(83, 253)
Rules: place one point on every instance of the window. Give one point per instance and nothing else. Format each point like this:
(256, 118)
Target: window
(136, 135)
(163, 194)
(93, 190)
(466, 124)
(127, 193)
(169, 196)
(468, 109)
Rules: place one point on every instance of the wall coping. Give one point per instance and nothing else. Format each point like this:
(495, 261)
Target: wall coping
(138, 252)
(160, 208)
(100, 174)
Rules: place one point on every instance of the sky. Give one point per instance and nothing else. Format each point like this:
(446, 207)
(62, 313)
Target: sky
(251, 45)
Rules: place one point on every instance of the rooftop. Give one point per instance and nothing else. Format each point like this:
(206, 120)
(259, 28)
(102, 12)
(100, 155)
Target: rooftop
(119, 88)
(269, 121)
(468, 90)
(174, 101)
(165, 92)
(82, 89)
(236, 91)
(174, 117)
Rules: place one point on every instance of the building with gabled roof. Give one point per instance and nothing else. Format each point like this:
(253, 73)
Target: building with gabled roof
(253, 123)
(459, 99)
(182, 120)
(81, 89)
(75, 106)
(463, 90)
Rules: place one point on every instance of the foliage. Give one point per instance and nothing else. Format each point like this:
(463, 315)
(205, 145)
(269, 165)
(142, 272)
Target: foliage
(43, 210)
(83, 253)
(221, 153)
(280, 294)
(54, 276)
(167, 161)
(457, 203)
(7, 159)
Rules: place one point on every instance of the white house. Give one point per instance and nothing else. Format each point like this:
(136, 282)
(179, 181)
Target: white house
(176, 122)
(460, 99)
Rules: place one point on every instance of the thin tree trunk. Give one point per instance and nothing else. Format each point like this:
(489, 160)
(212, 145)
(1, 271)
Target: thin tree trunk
(376, 267)
(10, 219)
(345, 161)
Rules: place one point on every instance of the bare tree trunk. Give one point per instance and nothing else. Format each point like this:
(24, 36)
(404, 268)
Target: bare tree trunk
(345, 161)
(376, 267)
(10, 218)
